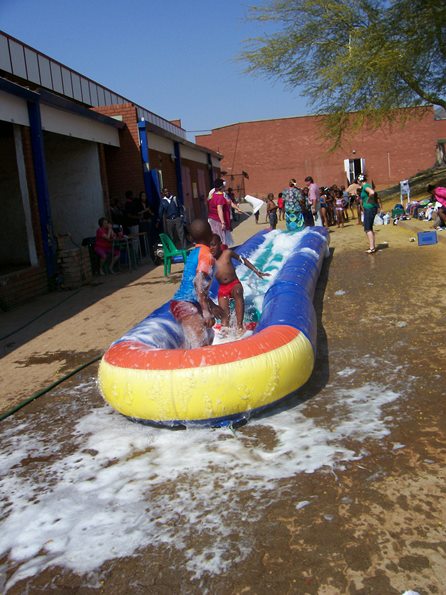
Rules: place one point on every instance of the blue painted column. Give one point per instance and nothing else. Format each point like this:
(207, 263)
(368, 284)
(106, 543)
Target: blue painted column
(43, 199)
(144, 147)
(177, 152)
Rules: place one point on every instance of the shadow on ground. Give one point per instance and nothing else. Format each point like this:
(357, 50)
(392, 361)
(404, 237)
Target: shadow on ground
(29, 320)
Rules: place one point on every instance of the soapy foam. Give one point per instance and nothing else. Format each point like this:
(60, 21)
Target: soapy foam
(122, 486)
(269, 258)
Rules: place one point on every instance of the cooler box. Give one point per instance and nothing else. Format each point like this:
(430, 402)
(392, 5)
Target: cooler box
(425, 238)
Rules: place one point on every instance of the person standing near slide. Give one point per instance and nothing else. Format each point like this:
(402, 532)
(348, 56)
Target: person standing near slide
(370, 202)
(294, 218)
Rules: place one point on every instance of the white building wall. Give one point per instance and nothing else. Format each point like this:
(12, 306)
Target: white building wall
(13, 109)
(74, 185)
(159, 143)
(70, 124)
(187, 152)
(215, 161)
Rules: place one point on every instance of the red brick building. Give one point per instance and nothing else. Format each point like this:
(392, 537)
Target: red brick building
(273, 151)
(68, 145)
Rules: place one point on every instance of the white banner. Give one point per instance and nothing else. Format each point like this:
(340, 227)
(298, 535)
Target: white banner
(256, 203)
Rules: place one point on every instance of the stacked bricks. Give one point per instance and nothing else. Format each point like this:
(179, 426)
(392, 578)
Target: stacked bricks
(74, 266)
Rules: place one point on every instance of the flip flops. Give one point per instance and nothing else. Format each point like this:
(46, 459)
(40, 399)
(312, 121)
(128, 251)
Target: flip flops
(371, 251)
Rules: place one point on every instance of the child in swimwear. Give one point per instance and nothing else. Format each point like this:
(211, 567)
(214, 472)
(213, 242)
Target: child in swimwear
(191, 304)
(281, 205)
(104, 245)
(271, 211)
(339, 208)
(230, 286)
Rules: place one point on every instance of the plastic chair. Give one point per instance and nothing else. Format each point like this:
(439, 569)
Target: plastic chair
(171, 253)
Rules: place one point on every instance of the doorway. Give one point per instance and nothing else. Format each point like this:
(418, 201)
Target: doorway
(353, 167)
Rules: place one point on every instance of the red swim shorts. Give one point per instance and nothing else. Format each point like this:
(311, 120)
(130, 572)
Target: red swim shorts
(182, 310)
(226, 290)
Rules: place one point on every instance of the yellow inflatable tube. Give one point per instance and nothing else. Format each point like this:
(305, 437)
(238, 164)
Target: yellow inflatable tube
(262, 369)
(147, 376)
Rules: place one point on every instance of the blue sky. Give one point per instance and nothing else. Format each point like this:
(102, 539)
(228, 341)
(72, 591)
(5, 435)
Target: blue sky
(176, 58)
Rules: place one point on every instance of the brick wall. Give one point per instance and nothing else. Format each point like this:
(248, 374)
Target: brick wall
(21, 286)
(123, 164)
(273, 151)
(163, 161)
(124, 167)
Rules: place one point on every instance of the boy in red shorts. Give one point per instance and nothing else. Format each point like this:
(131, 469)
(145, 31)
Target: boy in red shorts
(230, 286)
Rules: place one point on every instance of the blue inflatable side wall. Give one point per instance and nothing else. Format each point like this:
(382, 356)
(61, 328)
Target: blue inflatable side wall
(289, 301)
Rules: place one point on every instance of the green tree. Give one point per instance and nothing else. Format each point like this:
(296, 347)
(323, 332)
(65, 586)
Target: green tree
(370, 57)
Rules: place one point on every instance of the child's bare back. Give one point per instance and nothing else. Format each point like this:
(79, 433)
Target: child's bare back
(230, 286)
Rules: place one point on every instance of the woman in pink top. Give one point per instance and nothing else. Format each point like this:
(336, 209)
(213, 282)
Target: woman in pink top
(104, 245)
(217, 218)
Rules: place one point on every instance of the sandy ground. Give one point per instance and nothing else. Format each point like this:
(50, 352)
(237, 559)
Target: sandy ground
(368, 522)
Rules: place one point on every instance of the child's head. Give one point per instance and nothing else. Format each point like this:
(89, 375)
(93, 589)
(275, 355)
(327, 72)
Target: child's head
(280, 194)
(270, 196)
(215, 245)
(103, 222)
(200, 231)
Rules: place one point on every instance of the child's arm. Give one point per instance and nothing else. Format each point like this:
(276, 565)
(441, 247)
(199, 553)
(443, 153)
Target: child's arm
(235, 206)
(250, 266)
(210, 310)
(110, 235)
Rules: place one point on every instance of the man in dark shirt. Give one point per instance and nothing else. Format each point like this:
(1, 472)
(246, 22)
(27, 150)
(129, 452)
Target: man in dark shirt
(172, 216)
(132, 216)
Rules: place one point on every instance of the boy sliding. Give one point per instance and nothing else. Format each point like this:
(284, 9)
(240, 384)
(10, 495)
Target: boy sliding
(191, 304)
(230, 286)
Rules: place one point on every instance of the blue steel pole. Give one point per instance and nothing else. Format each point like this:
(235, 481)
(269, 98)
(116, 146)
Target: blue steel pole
(43, 199)
(144, 146)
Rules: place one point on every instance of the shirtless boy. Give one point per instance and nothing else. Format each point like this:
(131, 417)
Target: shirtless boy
(230, 286)
(191, 304)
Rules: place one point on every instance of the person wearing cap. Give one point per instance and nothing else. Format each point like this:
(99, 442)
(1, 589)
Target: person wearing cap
(370, 202)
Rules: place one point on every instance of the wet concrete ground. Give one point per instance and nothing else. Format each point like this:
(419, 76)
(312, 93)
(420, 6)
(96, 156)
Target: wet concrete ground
(342, 490)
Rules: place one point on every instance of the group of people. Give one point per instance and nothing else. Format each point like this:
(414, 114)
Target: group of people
(211, 254)
(301, 207)
(133, 217)
(434, 210)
